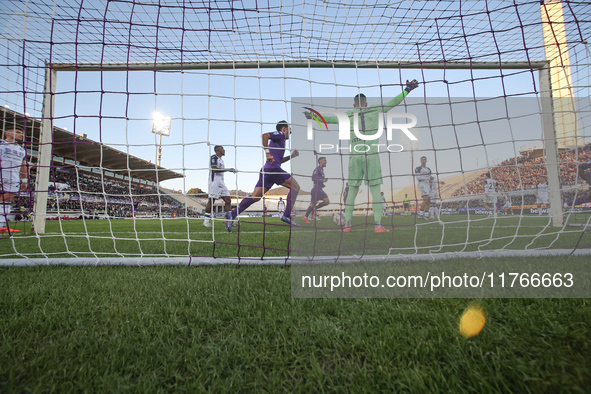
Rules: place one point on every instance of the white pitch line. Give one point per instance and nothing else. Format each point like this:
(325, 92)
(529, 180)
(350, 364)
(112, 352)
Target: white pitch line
(307, 230)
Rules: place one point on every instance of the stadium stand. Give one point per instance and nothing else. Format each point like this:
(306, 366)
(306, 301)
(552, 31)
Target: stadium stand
(522, 173)
(91, 179)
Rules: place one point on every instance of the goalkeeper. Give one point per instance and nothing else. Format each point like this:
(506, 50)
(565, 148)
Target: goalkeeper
(365, 163)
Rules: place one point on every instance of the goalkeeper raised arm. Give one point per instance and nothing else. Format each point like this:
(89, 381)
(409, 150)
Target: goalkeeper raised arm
(364, 162)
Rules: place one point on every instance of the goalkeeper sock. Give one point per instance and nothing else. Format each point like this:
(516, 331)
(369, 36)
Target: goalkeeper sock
(350, 203)
(377, 202)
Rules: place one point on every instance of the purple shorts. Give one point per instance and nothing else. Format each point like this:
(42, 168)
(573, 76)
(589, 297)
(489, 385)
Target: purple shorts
(317, 194)
(272, 176)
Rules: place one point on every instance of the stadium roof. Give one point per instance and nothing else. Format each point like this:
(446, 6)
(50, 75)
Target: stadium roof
(90, 153)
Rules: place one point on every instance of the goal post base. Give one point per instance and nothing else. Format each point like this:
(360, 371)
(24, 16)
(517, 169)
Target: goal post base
(286, 261)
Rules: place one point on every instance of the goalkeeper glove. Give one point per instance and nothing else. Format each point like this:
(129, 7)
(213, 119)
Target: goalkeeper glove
(411, 85)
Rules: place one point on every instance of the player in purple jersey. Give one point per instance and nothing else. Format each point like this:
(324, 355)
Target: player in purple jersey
(134, 206)
(585, 175)
(317, 194)
(272, 174)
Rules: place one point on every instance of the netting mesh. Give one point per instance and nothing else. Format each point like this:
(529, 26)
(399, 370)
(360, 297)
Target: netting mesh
(227, 71)
(230, 31)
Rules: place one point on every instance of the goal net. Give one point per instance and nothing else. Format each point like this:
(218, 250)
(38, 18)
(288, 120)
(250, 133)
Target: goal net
(473, 141)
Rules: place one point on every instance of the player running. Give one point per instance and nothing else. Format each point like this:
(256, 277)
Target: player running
(217, 186)
(272, 174)
(317, 194)
(365, 163)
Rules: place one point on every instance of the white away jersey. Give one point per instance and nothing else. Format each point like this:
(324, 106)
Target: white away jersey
(423, 174)
(490, 186)
(218, 163)
(542, 188)
(11, 161)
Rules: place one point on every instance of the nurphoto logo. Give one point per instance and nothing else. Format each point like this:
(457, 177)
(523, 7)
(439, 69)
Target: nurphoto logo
(345, 129)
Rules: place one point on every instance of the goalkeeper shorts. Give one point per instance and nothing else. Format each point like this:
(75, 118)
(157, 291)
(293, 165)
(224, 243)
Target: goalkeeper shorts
(365, 167)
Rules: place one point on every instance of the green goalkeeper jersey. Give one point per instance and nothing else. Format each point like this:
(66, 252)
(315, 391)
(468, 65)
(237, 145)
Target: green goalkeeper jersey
(368, 123)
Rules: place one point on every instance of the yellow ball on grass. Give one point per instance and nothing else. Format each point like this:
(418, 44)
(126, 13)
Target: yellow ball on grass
(472, 321)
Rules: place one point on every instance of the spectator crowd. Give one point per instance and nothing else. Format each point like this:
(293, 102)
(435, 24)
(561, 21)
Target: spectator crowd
(524, 173)
(92, 196)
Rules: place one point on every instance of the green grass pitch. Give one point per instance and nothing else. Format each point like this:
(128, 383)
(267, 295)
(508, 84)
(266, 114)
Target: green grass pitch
(236, 328)
(271, 238)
